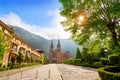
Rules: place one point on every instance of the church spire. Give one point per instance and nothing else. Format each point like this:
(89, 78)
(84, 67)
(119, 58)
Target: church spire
(51, 46)
(58, 46)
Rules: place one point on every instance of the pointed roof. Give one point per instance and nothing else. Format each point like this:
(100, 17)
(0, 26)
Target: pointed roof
(51, 46)
(58, 45)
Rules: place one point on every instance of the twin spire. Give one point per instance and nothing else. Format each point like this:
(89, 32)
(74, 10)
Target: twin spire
(58, 46)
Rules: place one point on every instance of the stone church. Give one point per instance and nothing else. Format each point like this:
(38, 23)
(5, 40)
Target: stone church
(56, 54)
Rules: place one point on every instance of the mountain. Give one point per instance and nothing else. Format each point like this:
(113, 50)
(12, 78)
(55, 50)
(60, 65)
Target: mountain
(41, 43)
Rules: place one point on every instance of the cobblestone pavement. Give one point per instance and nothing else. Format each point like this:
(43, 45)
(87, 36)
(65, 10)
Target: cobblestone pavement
(13, 71)
(43, 72)
(70, 72)
(53, 72)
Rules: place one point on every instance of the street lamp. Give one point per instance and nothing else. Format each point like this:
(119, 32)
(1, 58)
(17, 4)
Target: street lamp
(105, 49)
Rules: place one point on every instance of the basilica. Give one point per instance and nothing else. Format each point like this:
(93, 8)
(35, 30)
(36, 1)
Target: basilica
(56, 54)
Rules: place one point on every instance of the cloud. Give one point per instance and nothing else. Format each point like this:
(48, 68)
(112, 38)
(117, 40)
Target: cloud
(56, 22)
(48, 33)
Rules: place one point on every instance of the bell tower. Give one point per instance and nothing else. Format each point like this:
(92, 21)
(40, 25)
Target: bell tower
(58, 46)
(51, 46)
(51, 52)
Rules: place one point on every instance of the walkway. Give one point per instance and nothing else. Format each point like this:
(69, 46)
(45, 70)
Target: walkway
(39, 73)
(54, 72)
(70, 72)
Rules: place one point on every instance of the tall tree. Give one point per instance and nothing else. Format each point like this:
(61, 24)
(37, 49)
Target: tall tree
(96, 20)
(78, 54)
(2, 47)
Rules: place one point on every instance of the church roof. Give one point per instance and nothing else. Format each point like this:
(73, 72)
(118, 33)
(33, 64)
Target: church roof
(51, 46)
(58, 45)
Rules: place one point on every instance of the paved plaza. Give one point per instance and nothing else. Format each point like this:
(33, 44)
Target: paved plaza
(52, 72)
(70, 72)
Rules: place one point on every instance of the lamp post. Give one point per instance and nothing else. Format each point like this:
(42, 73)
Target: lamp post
(105, 49)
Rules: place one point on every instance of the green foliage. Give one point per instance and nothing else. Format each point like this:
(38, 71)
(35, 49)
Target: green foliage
(102, 53)
(20, 58)
(69, 61)
(77, 61)
(104, 61)
(97, 63)
(2, 47)
(46, 59)
(84, 52)
(11, 66)
(116, 50)
(109, 73)
(91, 65)
(73, 61)
(100, 23)
(89, 58)
(4, 68)
(27, 59)
(23, 65)
(31, 59)
(78, 54)
(114, 59)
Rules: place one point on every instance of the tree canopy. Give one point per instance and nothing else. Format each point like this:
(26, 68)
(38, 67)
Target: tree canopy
(92, 22)
(78, 54)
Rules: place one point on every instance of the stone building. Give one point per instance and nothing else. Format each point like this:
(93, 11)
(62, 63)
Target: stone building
(57, 55)
(15, 46)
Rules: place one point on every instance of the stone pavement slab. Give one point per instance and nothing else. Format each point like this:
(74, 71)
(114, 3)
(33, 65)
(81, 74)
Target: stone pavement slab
(54, 72)
(70, 72)
(43, 72)
(13, 71)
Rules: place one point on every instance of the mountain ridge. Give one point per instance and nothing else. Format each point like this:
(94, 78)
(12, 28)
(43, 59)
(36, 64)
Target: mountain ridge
(41, 43)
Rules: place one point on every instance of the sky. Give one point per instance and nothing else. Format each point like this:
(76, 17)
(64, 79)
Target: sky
(40, 17)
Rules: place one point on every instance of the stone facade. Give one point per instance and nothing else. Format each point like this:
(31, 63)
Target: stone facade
(15, 46)
(56, 55)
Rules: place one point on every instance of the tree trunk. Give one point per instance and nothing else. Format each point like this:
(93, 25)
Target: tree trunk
(111, 27)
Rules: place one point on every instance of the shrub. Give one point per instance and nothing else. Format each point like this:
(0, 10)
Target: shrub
(109, 73)
(77, 61)
(113, 59)
(104, 61)
(70, 61)
(97, 63)
(89, 58)
(10, 65)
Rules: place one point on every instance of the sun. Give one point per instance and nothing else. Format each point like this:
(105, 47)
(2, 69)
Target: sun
(81, 18)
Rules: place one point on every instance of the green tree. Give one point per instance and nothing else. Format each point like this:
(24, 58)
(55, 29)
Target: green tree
(78, 54)
(96, 20)
(2, 47)
(46, 59)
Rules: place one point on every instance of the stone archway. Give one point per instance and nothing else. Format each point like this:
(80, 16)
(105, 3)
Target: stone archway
(13, 58)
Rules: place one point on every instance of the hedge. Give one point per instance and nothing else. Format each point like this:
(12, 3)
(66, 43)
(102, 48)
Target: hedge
(17, 66)
(104, 61)
(109, 73)
(114, 59)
